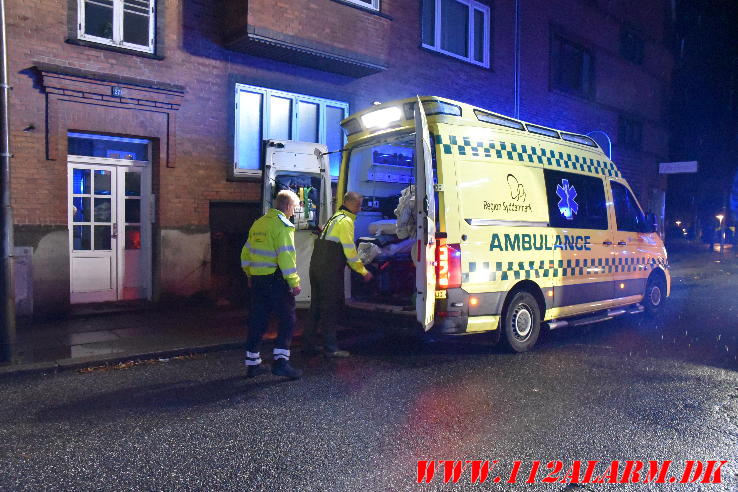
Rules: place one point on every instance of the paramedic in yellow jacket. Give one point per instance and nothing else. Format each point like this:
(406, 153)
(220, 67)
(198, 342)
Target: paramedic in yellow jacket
(333, 250)
(269, 260)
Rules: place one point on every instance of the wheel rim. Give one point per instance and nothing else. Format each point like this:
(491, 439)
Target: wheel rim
(655, 295)
(522, 322)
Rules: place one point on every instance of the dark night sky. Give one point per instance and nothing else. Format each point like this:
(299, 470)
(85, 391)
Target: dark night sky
(703, 110)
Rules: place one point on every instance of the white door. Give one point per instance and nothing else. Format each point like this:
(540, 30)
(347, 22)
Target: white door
(425, 272)
(109, 214)
(299, 166)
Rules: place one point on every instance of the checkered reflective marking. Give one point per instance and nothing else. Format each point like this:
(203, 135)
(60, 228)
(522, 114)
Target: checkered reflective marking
(519, 270)
(526, 153)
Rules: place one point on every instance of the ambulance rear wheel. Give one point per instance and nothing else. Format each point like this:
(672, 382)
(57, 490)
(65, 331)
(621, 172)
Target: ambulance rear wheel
(653, 298)
(521, 322)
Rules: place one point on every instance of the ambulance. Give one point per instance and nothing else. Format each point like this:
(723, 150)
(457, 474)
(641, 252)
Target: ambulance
(476, 222)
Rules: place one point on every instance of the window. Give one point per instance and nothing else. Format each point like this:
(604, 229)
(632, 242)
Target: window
(575, 201)
(263, 114)
(631, 46)
(370, 4)
(628, 214)
(458, 28)
(630, 132)
(123, 23)
(572, 68)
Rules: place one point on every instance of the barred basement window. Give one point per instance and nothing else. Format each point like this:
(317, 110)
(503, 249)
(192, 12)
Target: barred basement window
(123, 23)
(457, 28)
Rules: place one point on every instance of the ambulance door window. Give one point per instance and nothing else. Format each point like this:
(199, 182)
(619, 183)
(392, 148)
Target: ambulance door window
(576, 201)
(628, 214)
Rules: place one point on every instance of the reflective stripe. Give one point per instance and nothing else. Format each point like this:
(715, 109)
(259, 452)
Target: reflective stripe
(335, 239)
(263, 264)
(277, 357)
(348, 245)
(282, 249)
(245, 263)
(262, 252)
(281, 352)
(289, 271)
(252, 358)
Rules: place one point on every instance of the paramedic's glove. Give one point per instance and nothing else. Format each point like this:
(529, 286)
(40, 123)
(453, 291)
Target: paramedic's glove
(295, 291)
(368, 277)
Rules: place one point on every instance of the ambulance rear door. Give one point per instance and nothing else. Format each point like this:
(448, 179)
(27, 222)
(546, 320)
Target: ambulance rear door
(425, 213)
(303, 168)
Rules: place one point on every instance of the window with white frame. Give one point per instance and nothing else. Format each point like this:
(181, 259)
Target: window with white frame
(458, 28)
(124, 23)
(370, 4)
(267, 114)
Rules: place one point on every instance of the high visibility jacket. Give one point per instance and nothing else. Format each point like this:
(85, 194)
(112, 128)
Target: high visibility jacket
(340, 229)
(271, 244)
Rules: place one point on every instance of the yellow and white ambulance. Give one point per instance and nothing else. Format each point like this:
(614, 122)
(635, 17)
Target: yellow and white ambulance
(480, 222)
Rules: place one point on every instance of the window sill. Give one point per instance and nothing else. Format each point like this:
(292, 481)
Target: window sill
(364, 9)
(125, 51)
(455, 58)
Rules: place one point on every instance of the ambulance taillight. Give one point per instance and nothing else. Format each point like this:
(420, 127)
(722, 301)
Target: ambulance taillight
(448, 265)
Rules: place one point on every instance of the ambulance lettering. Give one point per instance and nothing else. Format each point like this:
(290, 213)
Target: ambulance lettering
(539, 242)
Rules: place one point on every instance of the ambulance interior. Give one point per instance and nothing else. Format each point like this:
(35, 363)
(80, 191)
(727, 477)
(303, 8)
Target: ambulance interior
(385, 227)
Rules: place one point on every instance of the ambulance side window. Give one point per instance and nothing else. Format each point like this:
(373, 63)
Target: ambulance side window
(628, 214)
(575, 201)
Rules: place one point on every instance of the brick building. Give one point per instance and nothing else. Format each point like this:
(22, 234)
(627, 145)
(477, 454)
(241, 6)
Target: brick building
(136, 125)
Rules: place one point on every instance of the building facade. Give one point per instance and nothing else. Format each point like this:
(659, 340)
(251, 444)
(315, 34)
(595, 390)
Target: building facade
(136, 125)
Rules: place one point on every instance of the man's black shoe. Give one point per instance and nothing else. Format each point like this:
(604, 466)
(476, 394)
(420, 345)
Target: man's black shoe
(282, 367)
(254, 371)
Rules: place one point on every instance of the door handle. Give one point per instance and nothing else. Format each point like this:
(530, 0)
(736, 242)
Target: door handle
(622, 243)
(607, 243)
(114, 235)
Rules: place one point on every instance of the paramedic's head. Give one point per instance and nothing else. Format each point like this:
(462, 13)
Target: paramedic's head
(286, 201)
(352, 201)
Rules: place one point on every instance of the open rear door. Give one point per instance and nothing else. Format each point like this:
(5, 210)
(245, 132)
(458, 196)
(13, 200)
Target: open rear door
(425, 213)
(301, 167)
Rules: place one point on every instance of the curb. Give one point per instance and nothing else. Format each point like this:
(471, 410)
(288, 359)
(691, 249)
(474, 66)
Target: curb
(70, 364)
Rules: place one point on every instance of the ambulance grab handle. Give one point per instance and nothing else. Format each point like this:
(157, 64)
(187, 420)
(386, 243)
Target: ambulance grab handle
(607, 243)
(622, 243)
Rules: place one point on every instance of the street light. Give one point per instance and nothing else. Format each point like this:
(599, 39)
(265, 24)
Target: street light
(720, 218)
(678, 223)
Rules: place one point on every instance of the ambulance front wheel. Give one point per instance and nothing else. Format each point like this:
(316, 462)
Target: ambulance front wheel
(653, 298)
(521, 322)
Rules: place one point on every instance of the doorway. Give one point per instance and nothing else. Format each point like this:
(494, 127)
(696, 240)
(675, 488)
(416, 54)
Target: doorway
(110, 215)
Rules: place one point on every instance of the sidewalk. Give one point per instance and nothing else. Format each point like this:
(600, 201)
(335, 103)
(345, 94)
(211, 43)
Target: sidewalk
(94, 338)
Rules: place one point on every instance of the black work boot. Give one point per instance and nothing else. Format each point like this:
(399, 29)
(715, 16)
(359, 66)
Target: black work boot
(258, 370)
(282, 367)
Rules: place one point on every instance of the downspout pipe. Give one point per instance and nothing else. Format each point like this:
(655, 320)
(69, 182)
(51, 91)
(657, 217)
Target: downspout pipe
(7, 293)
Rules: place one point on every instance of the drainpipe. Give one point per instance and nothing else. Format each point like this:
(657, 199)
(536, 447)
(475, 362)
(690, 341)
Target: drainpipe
(7, 294)
(516, 82)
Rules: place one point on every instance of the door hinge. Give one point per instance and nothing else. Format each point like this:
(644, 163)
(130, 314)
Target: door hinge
(438, 187)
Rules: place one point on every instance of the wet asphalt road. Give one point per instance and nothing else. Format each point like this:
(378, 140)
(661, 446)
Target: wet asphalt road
(630, 388)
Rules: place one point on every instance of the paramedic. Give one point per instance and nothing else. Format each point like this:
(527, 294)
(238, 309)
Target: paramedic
(333, 249)
(268, 258)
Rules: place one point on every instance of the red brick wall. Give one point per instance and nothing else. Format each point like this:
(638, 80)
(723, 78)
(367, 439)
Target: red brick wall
(191, 38)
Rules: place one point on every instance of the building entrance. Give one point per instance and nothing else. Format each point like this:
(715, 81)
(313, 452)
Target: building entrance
(109, 211)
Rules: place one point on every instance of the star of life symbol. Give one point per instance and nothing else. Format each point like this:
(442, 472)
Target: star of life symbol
(567, 205)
